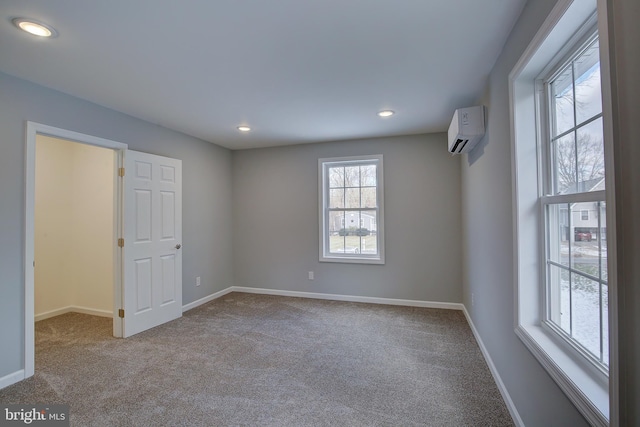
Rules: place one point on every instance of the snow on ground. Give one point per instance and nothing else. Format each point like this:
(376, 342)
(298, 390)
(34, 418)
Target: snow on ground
(586, 316)
(583, 249)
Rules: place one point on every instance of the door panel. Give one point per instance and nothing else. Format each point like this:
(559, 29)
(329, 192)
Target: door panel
(143, 215)
(168, 215)
(152, 233)
(168, 282)
(143, 285)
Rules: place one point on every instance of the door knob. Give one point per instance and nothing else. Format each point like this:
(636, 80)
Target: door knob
(178, 246)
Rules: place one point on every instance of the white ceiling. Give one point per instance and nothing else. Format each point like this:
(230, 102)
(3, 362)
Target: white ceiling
(296, 71)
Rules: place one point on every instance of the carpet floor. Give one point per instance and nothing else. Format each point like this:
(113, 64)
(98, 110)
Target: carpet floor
(256, 360)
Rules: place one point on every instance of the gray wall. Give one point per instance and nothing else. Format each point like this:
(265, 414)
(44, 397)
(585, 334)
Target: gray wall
(206, 195)
(488, 236)
(625, 45)
(275, 205)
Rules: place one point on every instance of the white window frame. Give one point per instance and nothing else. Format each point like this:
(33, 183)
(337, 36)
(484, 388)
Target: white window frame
(583, 383)
(585, 37)
(323, 200)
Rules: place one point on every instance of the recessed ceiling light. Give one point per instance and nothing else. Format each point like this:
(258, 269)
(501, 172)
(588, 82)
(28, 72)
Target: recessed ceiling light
(34, 27)
(244, 128)
(386, 113)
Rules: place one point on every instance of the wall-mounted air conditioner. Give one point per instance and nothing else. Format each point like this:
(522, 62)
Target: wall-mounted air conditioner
(466, 129)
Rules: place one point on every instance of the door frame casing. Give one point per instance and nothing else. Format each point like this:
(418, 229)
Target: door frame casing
(32, 130)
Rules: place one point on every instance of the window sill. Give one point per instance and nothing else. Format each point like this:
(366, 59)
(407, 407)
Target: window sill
(582, 387)
(352, 260)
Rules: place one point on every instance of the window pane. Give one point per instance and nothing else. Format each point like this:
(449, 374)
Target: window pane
(352, 176)
(368, 232)
(352, 220)
(336, 233)
(585, 252)
(336, 198)
(558, 233)
(564, 164)
(587, 83)
(368, 175)
(336, 222)
(368, 197)
(352, 197)
(560, 298)
(336, 177)
(336, 244)
(591, 157)
(585, 311)
(562, 102)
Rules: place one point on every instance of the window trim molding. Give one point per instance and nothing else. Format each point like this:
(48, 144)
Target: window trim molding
(595, 401)
(322, 219)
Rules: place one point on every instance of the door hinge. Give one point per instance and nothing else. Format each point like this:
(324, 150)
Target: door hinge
(121, 243)
(120, 171)
(121, 313)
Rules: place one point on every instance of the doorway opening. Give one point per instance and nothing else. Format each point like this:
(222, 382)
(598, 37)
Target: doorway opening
(74, 228)
(68, 279)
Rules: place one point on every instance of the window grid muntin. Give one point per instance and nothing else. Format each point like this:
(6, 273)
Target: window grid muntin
(554, 198)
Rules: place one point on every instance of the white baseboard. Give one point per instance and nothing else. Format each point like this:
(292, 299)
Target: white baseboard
(350, 298)
(494, 371)
(73, 309)
(12, 378)
(52, 313)
(91, 311)
(315, 295)
(206, 299)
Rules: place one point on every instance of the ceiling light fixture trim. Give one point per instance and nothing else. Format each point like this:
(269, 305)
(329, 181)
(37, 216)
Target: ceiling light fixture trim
(386, 113)
(35, 27)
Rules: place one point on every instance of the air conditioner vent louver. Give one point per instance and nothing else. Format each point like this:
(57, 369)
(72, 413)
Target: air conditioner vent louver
(457, 148)
(466, 129)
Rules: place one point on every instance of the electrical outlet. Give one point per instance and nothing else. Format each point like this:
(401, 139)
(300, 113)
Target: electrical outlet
(198, 281)
(311, 275)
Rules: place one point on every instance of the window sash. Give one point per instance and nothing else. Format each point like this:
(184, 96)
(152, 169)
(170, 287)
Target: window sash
(552, 302)
(547, 109)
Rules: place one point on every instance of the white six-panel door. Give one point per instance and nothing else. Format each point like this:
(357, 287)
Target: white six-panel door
(152, 257)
